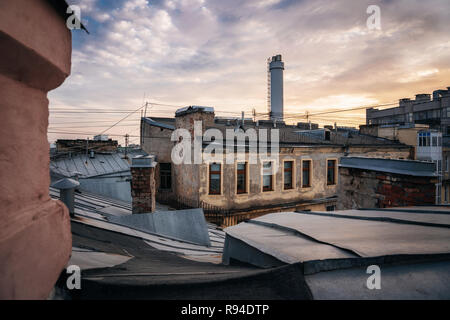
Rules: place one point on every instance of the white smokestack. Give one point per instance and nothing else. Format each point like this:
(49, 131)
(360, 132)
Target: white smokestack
(276, 67)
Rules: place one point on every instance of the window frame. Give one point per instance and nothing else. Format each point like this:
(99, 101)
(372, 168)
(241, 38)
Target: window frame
(210, 172)
(293, 174)
(246, 175)
(272, 182)
(168, 173)
(335, 178)
(303, 186)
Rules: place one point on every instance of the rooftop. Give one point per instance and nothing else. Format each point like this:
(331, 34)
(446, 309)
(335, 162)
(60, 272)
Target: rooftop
(404, 167)
(411, 247)
(85, 166)
(122, 262)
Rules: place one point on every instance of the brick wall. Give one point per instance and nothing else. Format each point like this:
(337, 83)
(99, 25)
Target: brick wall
(370, 189)
(143, 189)
(80, 145)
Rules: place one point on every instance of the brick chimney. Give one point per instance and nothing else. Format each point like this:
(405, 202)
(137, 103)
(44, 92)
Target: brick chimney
(143, 184)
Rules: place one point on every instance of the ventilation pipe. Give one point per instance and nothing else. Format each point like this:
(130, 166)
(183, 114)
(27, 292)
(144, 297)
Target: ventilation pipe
(66, 188)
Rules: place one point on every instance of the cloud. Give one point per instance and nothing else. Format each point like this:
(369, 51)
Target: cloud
(213, 52)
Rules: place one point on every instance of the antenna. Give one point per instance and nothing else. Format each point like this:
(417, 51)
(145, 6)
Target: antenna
(126, 145)
(268, 88)
(145, 112)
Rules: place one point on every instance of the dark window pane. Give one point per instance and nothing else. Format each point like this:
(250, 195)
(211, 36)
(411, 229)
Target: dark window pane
(288, 174)
(331, 172)
(306, 177)
(288, 180)
(241, 178)
(214, 178)
(215, 167)
(165, 172)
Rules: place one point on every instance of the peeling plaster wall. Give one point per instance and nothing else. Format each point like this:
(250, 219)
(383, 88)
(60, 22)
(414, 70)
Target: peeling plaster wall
(370, 189)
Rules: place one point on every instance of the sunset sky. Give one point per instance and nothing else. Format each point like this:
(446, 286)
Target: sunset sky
(214, 52)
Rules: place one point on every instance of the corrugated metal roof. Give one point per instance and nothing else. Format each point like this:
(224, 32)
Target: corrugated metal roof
(99, 211)
(85, 167)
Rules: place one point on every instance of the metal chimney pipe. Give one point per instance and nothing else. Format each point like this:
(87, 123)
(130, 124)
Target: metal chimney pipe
(66, 188)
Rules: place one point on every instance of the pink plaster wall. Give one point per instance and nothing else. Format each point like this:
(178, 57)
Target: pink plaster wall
(35, 237)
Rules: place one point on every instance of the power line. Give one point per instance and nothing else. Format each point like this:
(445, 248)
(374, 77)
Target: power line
(124, 118)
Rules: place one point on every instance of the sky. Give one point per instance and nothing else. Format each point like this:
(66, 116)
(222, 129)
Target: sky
(214, 52)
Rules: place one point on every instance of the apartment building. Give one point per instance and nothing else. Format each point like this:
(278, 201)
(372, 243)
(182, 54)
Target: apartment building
(433, 110)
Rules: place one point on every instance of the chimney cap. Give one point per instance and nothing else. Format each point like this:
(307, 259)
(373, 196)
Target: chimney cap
(65, 183)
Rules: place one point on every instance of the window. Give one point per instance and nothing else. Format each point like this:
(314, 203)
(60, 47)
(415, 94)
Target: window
(306, 173)
(288, 176)
(331, 208)
(331, 172)
(214, 178)
(446, 194)
(241, 178)
(165, 174)
(434, 141)
(410, 117)
(267, 176)
(438, 193)
(327, 135)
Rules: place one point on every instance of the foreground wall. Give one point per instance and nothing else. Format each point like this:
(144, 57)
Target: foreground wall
(35, 238)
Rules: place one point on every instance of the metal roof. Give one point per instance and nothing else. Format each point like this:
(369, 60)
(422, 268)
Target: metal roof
(404, 167)
(411, 248)
(65, 183)
(107, 214)
(86, 167)
(154, 123)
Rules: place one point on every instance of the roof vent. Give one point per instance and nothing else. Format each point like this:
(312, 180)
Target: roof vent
(66, 188)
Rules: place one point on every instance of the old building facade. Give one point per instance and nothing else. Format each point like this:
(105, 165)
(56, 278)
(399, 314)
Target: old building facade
(302, 175)
(383, 183)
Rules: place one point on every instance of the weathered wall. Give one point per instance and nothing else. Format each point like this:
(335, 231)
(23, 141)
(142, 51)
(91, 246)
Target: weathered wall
(35, 238)
(229, 199)
(156, 141)
(370, 189)
(143, 189)
(186, 177)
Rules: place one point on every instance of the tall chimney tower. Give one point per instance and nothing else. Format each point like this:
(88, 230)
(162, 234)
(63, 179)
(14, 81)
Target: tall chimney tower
(276, 67)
